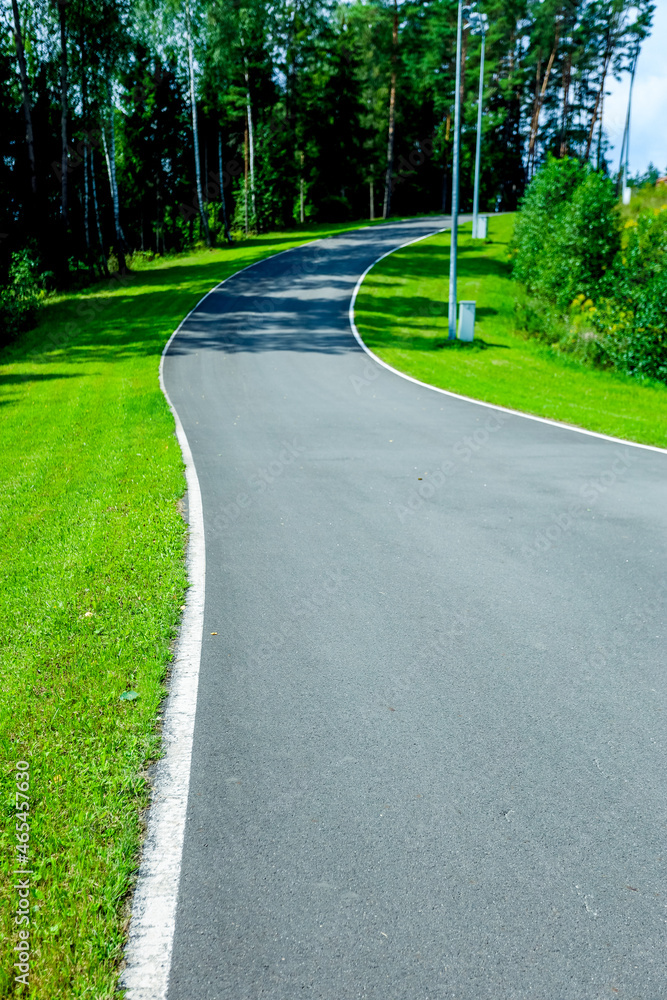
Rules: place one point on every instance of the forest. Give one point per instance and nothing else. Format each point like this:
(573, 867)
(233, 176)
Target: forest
(145, 126)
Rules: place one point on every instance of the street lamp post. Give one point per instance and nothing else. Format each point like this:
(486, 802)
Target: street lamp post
(451, 316)
(481, 26)
(625, 147)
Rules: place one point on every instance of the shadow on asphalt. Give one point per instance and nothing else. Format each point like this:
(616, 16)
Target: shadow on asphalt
(103, 329)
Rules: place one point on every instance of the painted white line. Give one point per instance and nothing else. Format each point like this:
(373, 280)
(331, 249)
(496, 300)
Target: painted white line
(468, 399)
(149, 947)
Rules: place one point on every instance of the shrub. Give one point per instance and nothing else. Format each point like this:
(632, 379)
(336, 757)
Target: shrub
(112, 263)
(644, 255)
(632, 319)
(588, 240)
(595, 290)
(542, 205)
(567, 232)
(20, 299)
(634, 330)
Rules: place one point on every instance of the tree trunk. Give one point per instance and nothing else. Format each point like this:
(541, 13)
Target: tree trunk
(609, 51)
(302, 216)
(63, 113)
(538, 104)
(27, 111)
(386, 208)
(464, 53)
(598, 104)
(159, 224)
(536, 107)
(93, 186)
(245, 174)
(195, 130)
(87, 154)
(86, 200)
(600, 134)
(251, 149)
(205, 191)
(157, 218)
(223, 204)
(249, 143)
(110, 155)
(567, 67)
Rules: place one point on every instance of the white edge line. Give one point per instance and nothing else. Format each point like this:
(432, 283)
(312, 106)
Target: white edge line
(150, 940)
(457, 395)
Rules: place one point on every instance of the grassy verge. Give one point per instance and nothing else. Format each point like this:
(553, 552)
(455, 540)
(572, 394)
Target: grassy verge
(651, 197)
(92, 559)
(401, 314)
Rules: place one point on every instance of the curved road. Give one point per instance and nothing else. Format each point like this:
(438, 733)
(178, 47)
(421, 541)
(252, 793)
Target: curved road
(429, 754)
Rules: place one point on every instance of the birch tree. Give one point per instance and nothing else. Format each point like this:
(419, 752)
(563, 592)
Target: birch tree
(195, 128)
(25, 92)
(389, 178)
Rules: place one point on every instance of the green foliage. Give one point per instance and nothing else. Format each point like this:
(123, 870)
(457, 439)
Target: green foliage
(644, 255)
(597, 292)
(590, 237)
(634, 340)
(633, 321)
(274, 178)
(21, 298)
(567, 232)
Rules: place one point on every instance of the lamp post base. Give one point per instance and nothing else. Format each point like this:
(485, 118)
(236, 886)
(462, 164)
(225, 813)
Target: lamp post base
(466, 319)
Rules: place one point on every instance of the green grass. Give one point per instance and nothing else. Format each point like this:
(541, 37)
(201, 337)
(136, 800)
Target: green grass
(401, 314)
(93, 581)
(650, 197)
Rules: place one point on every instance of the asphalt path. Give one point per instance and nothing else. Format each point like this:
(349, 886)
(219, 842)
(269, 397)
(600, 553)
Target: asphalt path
(429, 752)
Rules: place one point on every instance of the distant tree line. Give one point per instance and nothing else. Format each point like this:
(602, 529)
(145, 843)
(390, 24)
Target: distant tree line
(147, 125)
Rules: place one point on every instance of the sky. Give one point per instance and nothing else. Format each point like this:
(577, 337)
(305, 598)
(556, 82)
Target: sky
(648, 122)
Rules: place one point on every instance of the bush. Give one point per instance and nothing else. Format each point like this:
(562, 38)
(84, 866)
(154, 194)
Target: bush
(644, 255)
(632, 319)
(589, 240)
(20, 299)
(595, 291)
(634, 330)
(567, 232)
(540, 210)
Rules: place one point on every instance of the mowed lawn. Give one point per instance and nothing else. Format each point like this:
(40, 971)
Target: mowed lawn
(92, 553)
(401, 314)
